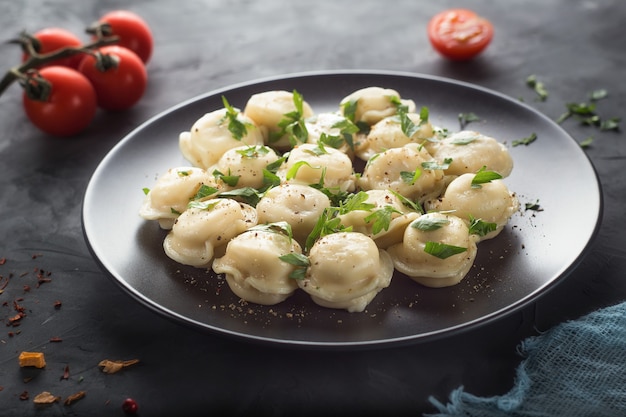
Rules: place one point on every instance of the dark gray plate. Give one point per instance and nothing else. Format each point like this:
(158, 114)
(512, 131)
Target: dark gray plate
(531, 255)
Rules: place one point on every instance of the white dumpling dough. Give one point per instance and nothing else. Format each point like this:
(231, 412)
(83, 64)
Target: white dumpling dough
(361, 222)
(410, 258)
(470, 151)
(328, 124)
(247, 163)
(297, 204)
(347, 270)
(374, 104)
(268, 109)
(209, 138)
(492, 202)
(331, 164)
(171, 193)
(392, 170)
(253, 269)
(199, 234)
(387, 134)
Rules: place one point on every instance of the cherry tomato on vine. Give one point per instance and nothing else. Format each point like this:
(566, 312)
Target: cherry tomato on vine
(118, 76)
(133, 31)
(52, 39)
(70, 105)
(459, 34)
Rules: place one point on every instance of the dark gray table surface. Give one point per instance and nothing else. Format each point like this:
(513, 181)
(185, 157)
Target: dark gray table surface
(574, 47)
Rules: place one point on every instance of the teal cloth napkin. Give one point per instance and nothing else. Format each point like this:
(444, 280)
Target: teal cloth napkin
(577, 368)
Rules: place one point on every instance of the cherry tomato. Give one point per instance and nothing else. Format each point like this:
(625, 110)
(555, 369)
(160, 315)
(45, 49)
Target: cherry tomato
(459, 34)
(133, 31)
(120, 86)
(70, 106)
(52, 39)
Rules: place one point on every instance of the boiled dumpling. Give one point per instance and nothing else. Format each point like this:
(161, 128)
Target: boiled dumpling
(380, 207)
(491, 202)
(268, 109)
(346, 271)
(335, 126)
(310, 164)
(434, 267)
(199, 234)
(372, 104)
(297, 204)
(246, 163)
(405, 170)
(171, 193)
(471, 151)
(253, 269)
(388, 133)
(210, 137)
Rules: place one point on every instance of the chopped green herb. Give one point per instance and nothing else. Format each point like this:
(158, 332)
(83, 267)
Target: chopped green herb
(464, 140)
(349, 110)
(538, 86)
(442, 250)
(610, 124)
(533, 206)
(301, 262)
(467, 118)
(480, 227)
(525, 141)
(282, 228)
(146, 190)
(586, 142)
(355, 202)
(483, 176)
(204, 191)
(253, 151)
(327, 224)
(203, 205)
(427, 224)
(231, 180)
(248, 195)
(293, 124)
(598, 94)
(408, 203)
(411, 177)
(236, 127)
(183, 173)
(381, 218)
(293, 171)
(436, 165)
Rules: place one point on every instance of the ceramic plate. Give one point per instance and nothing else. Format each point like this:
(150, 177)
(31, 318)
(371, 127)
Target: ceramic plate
(535, 251)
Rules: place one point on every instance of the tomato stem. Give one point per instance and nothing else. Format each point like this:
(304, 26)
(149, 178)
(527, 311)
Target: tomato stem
(36, 59)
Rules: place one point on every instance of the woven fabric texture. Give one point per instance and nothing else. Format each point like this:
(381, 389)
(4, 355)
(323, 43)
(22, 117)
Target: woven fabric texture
(577, 368)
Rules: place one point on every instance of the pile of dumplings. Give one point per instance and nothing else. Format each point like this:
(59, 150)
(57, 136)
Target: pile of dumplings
(418, 199)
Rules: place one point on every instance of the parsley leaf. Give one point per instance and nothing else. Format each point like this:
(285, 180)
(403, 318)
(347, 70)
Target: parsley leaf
(236, 127)
(427, 224)
(467, 118)
(442, 250)
(381, 218)
(538, 86)
(301, 262)
(483, 176)
(525, 141)
(292, 124)
(480, 227)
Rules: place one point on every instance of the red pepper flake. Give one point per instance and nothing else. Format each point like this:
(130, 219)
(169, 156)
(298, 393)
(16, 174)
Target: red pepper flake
(24, 396)
(15, 320)
(57, 304)
(11, 334)
(55, 340)
(26, 288)
(66, 373)
(18, 307)
(3, 261)
(36, 255)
